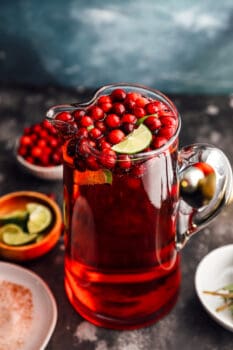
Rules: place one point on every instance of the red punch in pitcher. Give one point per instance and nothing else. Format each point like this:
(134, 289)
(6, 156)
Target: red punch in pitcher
(131, 201)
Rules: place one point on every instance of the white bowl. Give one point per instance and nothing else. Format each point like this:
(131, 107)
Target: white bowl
(214, 272)
(46, 173)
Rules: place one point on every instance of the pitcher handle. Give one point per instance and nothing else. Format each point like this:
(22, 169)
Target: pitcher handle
(202, 196)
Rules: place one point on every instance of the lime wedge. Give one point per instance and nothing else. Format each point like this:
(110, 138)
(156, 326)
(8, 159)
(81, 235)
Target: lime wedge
(13, 235)
(135, 142)
(17, 217)
(141, 120)
(102, 176)
(40, 217)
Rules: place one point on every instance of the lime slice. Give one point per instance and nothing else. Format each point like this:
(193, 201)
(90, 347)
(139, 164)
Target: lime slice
(135, 142)
(40, 217)
(13, 235)
(9, 228)
(141, 120)
(102, 176)
(17, 217)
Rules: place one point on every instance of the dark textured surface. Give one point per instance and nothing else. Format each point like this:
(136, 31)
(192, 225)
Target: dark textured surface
(205, 119)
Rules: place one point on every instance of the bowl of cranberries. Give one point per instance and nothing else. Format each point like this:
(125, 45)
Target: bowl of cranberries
(39, 151)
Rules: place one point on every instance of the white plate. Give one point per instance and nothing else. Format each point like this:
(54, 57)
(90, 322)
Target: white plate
(214, 272)
(44, 305)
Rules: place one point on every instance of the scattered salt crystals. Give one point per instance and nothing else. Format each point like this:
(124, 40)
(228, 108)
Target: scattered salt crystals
(16, 309)
(85, 331)
(133, 340)
(212, 110)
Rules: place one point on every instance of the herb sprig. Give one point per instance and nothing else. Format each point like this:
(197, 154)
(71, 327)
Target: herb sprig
(227, 294)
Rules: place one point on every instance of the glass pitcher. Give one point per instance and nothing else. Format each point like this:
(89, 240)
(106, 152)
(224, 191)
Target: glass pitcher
(125, 224)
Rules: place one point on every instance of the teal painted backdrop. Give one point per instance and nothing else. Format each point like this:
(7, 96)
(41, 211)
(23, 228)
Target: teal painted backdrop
(176, 46)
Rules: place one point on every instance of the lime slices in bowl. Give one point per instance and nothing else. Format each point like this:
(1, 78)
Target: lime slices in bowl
(40, 217)
(24, 226)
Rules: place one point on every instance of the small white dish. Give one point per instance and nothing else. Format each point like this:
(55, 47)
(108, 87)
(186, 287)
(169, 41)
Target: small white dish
(214, 272)
(46, 173)
(44, 305)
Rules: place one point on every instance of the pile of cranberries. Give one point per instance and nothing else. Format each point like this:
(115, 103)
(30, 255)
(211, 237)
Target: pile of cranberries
(108, 121)
(40, 145)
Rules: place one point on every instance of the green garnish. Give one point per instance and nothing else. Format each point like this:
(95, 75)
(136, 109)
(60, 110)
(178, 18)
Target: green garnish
(134, 142)
(141, 120)
(227, 294)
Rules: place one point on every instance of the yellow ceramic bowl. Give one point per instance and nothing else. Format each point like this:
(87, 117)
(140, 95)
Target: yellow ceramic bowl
(18, 200)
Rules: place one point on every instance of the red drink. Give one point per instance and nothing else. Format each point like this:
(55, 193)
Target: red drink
(121, 265)
(124, 217)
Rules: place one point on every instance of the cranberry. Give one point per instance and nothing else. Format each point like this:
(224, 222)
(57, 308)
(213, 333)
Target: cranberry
(92, 163)
(64, 116)
(132, 96)
(22, 151)
(86, 121)
(82, 132)
(53, 142)
(36, 152)
(128, 118)
(168, 121)
(113, 121)
(43, 134)
(115, 136)
(44, 160)
(101, 126)
(46, 125)
(104, 144)
(25, 141)
(83, 148)
(108, 158)
(96, 113)
(30, 160)
(52, 130)
(118, 108)
(167, 132)
(154, 107)
(118, 95)
(104, 99)
(56, 158)
(42, 143)
(141, 101)
(124, 161)
(105, 102)
(128, 127)
(139, 112)
(130, 105)
(166, 113)
(158, 142)
(95, 133)
(78, 114)
(36, 129)
(153, 123)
